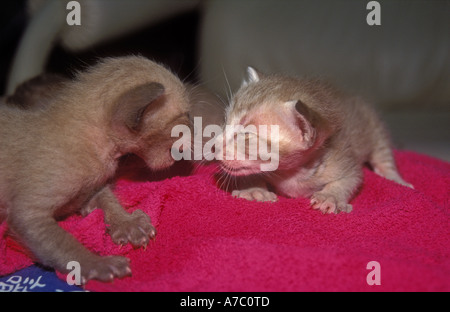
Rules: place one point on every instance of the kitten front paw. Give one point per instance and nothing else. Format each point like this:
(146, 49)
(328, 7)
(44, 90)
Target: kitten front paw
(329, 204)
(104, 269)
(255, 193)
(135, 229)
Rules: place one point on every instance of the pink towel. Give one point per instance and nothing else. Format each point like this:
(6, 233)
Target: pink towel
(210, 241)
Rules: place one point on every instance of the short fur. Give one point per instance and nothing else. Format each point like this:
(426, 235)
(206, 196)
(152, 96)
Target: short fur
(36, 92)
(325, 138)
(59, 156)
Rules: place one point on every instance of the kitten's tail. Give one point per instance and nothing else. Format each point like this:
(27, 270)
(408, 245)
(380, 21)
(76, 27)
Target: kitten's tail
(383, 163)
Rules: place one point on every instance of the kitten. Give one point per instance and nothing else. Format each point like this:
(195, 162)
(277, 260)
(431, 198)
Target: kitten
(58, 156)
(324, 139)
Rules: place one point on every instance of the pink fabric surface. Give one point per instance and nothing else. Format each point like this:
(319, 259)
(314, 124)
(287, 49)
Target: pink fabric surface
(210, 241)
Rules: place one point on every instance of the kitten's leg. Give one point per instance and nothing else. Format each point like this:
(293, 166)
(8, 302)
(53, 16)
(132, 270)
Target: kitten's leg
(383, 164)
(54, 247)
(254, 189)
(123, 227)
(335, 195)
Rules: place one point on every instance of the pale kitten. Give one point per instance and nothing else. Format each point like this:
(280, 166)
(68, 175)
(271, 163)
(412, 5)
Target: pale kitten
(325, 138)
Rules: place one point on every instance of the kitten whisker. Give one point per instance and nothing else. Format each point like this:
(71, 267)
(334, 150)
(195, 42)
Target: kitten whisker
(229, 92)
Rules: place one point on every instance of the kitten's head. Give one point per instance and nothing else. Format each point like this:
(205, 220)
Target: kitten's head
(150, 103)
(272, 118)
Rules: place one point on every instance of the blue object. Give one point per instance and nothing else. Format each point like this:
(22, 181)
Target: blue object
(35, 279)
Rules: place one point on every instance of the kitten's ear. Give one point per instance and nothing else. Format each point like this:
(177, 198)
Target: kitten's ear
(133, 104)
(306, 119)
(252, 76)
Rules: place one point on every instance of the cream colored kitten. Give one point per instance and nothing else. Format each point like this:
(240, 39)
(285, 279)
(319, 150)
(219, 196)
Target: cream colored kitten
(324, 139)
(60, 144)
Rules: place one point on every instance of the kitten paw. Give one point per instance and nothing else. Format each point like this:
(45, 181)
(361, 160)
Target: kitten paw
(255, 193)
(329, 204)
(104, 269)
(136, 229)
(86, 210)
